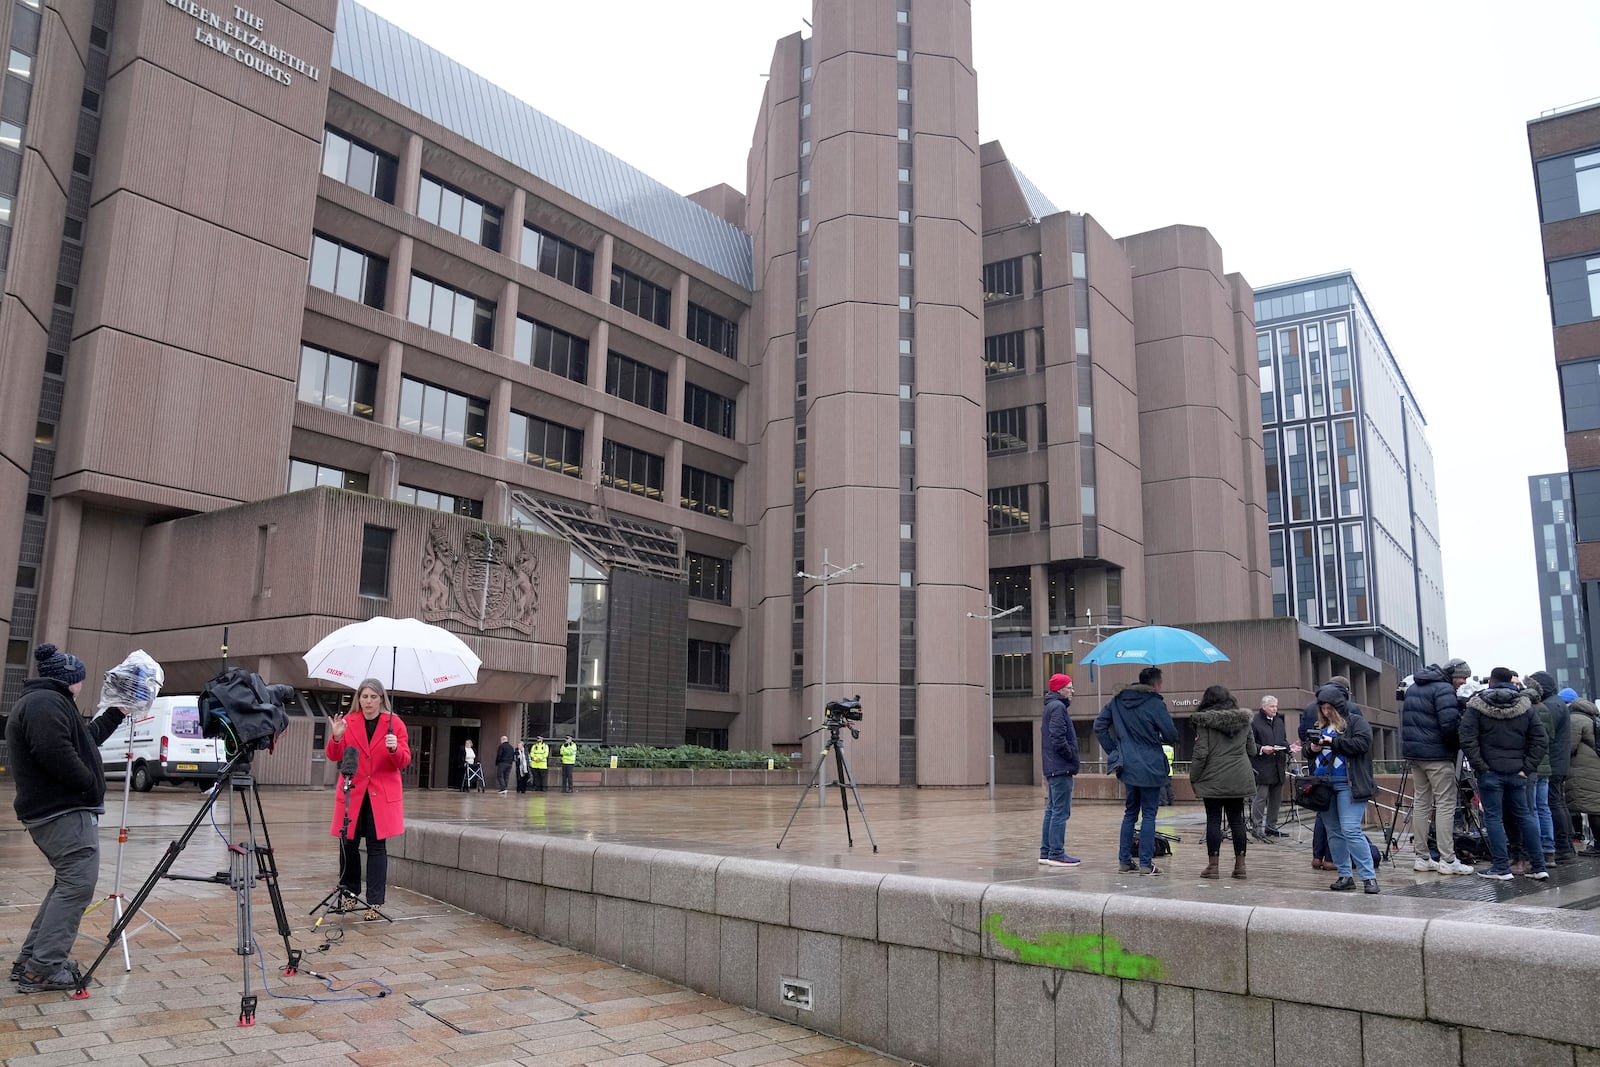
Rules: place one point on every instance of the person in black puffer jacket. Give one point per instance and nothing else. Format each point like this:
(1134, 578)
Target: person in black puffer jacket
(1430, 721)
(61, 787)
(1505, 743)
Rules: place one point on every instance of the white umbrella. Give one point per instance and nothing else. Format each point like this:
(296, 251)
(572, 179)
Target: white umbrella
(407, 655)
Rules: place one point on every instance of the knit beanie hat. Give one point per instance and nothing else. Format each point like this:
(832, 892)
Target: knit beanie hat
(1568, 694)
(1059, 682)
(64, 667)
(1456, 668)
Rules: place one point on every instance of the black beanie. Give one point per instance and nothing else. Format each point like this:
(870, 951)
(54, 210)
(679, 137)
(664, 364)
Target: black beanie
(64, 667)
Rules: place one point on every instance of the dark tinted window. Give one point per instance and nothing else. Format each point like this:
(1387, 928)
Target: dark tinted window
(710, 578)
(358, 165)
(375, 542)
(637, 296)
(713, 331)
(1580, 395)
(550, 349)
(561, 259)
(636, 382)
(707, 410)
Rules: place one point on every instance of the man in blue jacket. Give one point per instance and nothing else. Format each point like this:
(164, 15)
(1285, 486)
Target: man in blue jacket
(1058, 744)
(1131, 728)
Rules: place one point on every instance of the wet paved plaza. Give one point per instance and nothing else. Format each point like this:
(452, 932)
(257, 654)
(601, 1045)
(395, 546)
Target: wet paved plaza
(460, 990)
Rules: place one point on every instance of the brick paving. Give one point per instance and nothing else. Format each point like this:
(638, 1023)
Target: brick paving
(465, 991)
(459, 990)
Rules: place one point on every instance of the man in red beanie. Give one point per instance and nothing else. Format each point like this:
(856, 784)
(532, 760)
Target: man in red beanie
(1058, 741)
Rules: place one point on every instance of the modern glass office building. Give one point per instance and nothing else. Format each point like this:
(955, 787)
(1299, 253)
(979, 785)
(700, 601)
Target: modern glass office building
(1555, 552)
(1352, 505)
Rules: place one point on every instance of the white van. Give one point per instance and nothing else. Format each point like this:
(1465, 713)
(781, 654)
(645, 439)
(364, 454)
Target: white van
(167, 747)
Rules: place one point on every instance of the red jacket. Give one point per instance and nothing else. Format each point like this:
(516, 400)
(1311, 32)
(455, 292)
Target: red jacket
(377, 775)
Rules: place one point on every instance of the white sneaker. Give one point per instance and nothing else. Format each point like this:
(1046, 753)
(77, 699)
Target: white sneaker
(1455, 867)
(1425, 864)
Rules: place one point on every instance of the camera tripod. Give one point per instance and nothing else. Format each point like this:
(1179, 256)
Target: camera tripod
(240, 877)
(845, 777)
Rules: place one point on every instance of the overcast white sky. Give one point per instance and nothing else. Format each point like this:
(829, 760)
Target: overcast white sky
(1388, 138)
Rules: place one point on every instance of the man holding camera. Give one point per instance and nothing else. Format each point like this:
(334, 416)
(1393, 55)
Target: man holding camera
(61, 789)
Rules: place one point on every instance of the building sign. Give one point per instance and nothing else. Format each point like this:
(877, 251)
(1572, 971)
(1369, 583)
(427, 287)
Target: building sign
(239, 35)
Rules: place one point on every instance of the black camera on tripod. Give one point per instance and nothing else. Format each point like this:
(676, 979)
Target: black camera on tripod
(246, 712)
(843, 713)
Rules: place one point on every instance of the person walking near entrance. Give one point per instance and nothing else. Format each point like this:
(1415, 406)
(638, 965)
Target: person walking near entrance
(538, 762)
(569, 758)
(1220, 772)
(61, 788)
(1269, 751)
(1058, 741)
(1131, 728)
(505, 757)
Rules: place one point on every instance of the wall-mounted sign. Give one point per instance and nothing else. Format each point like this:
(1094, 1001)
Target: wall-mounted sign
(238, 36)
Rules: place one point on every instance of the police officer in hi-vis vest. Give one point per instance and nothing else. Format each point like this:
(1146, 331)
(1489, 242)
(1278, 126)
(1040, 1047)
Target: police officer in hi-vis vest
(569, 757)
(538, 762)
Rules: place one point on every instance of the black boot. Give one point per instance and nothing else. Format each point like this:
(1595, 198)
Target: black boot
(1344, 882)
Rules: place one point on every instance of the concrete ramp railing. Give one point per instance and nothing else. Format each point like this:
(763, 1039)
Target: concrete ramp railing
(972, 974)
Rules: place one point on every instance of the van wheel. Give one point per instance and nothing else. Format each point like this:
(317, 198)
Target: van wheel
(141, 778)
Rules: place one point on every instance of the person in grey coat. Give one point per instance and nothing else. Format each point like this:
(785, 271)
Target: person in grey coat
(1220, 772)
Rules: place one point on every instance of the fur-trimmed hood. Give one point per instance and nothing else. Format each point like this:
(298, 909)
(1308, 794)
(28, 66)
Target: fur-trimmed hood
(1224, 720)
(1501, 702)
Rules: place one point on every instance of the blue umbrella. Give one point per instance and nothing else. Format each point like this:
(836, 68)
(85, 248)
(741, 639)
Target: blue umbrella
(1154, 644)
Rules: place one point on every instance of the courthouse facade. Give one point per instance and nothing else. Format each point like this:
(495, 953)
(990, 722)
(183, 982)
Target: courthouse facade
(313, 324)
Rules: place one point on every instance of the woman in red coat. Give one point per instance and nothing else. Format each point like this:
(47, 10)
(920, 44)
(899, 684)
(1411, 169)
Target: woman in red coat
(371, 796)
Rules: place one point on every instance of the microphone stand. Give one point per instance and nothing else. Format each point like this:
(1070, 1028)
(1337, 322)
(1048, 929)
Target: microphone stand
(343, 900)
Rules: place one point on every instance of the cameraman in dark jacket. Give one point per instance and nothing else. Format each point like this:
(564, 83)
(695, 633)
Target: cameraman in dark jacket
(1505, 742)
(61, 788)
(1430, 721)
(1560, 738)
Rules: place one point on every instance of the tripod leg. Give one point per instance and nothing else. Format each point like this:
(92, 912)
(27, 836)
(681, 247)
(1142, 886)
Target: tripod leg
(174, 849)
(847, 773)
(844, 797)
(267, 866)
(815, 775)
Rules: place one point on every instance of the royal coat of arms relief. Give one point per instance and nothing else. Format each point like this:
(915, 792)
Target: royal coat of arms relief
(484, 578)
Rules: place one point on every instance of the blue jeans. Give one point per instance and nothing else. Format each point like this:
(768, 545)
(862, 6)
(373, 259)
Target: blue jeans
(1505, 795)
(1145, 799)
(1057, 809)
(1541, 808)
(1346, 840)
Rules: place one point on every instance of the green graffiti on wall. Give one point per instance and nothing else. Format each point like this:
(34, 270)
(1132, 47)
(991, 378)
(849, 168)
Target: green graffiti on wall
(1094, 953)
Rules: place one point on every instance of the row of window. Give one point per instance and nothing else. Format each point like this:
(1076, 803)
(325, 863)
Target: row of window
(1007, 430)
(375, 172)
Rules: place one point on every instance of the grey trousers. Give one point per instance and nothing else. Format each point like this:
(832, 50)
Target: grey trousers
(1266, 802)
(72, 845)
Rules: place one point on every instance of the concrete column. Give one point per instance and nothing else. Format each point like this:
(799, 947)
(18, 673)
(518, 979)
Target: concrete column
(676, 383)
(383, 477)
(505, 318)
(409, 180)
(497, 504)
(58, 571)
(680, 305)
(397, 298)
(499, 417)
(599, 343)
(386, 406)
(672, 480)
(594, 436)
(602, 266)
(511, 225)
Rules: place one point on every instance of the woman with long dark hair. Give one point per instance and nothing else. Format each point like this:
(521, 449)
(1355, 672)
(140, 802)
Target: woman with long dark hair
(1220, 773)
(1341, 747)
(371, 796)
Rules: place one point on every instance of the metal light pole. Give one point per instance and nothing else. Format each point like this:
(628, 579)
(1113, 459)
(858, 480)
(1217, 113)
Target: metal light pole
(994, 613)
(830, 571)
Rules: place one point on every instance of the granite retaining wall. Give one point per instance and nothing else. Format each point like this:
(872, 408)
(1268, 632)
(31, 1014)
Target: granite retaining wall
(973, 974)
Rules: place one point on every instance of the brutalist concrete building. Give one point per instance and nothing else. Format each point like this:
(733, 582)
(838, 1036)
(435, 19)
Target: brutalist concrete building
(313, 324)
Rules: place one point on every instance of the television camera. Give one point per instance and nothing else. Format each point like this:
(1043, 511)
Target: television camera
(246, 712)
(843, 713)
